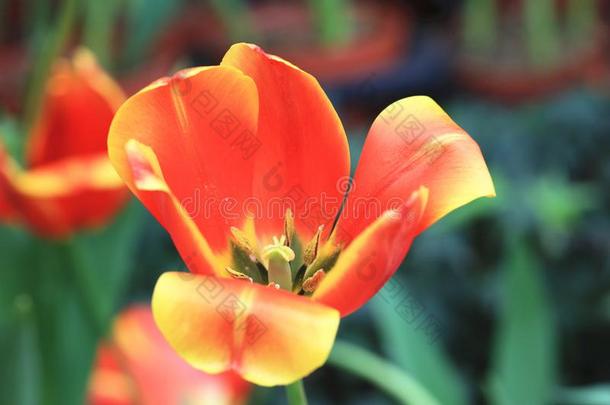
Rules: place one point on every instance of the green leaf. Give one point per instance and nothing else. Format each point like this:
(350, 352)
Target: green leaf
(107, 256)
(395, 382)
(145, 19)
(66, 335)
(99, 27)
(416, 349)
(591, 395)
(524, 349)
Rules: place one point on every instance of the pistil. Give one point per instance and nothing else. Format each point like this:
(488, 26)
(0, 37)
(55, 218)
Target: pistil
(277, 257)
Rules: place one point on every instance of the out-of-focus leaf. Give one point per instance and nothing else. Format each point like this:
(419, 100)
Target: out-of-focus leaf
(524, 350)
(11, 138)
(67, 337)
(51, 45)
(542, 29)
(480, 26)
(332, 21)
(99, 27)
(395, 382)
(20, 380)
(592, 395)
(416, 349)
(145, 20)
(234, 15)
(558, 203)
(62, 323)
(108, 255)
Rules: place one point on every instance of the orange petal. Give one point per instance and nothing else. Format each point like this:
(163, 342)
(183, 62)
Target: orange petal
(373, 257)
(140, 365)
(78, 105)
(200, 125)
(268, 336)
(414, 143)
(59, 198)
(304, 154)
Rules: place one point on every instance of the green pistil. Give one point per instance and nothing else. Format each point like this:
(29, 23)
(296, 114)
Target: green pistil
(278, 257)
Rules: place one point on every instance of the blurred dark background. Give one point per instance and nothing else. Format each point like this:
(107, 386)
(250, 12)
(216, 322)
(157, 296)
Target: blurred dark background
(506, 301)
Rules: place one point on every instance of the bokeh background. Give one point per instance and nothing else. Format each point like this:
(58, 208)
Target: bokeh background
(506, 301)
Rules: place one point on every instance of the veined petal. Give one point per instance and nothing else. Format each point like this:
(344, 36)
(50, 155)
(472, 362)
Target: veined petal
(268, 336)
(304, 153)
(373, 257)
(414, 143)
(200, 125)
(58, 198)
(78, 105)
(154, 192)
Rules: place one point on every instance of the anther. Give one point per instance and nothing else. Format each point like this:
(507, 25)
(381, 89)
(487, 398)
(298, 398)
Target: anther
(312, 248)
(238, 275)
(312, 283)
(289, 226)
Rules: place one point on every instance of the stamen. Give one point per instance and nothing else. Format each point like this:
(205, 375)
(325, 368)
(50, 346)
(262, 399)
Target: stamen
(242, 240)
(312, 283)
(311, 250)
(238, 275)
(289, 226)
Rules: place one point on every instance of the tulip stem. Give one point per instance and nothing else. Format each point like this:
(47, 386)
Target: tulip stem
(296, 393)
(86, 287)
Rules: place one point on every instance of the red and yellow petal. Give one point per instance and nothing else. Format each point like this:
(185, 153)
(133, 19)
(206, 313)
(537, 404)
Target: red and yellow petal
(414, 143)
(59, 198)
(304, 151)
(197, 124)
(268, 336)
(139, 367)
(79, 102)
(373, 257)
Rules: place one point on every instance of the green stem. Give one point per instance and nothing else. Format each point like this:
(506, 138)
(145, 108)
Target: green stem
(581, 21)
(386, 376)
(86, 287)
(235, 17)
(332, 20)
(98, 28)
(542, 32)
(296, 393)
(480, 26)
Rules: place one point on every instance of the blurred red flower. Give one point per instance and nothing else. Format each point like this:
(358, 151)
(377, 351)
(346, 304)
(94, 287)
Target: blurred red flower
(69, 182)
(138, 367)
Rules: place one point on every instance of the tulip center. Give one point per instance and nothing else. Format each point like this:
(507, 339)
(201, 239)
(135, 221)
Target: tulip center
(286, 262)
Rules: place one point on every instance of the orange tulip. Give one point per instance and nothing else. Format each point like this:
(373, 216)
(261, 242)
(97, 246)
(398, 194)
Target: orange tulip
(246, 165)
(70, 183)
(139, 368)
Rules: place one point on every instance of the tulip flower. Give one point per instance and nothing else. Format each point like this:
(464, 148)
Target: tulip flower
(138, 367)
(246, 165)
(69, 182)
